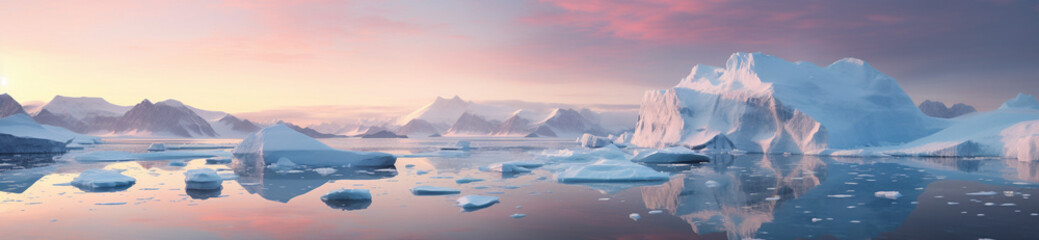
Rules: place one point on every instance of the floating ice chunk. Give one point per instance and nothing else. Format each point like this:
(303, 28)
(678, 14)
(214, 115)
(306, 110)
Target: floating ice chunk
(816, 219)
(773, 198)
(102, 180)
(467, 180)
(953, 203)
(409, 166)
(609, 171)
(421, 172)
(514, 167)
(568, 155)
(840, 196)
(635, 216)
(278, 141)
(202, 179)
(218, 160)
(888, 194)
(432, 190)
(592, 141)
(113, 156)
(283, 164)
(325, 171)
(710, 184)
(348, 195)
(982, 193)
(670, 155)
(110, 203)
(656, 211)
(475, 202)
(157, 147)
(178, 163)
(604, 199)
(518, 215)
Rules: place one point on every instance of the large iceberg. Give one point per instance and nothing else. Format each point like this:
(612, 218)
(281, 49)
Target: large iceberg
(280, 141)
(20, 134)
(762, 103)
(609, 171)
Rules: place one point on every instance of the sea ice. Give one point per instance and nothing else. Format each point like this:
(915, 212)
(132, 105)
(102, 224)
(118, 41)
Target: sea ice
(982, 193)
(348, 195)
(102, 180)
(202, 179)
(432, 190)
(670, 155)
(467, 180)
(609, 171)
(115, 156)
(514, 167)
(635, 216)
(518, 215)
(218, 160)
(178, 163)
(888, 194)
(474, 202)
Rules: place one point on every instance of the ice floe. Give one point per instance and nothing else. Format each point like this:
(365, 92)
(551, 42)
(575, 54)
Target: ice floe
(888, 194)
(609, 171)
(202, 179)
(592, 141)
(670, 155)
(115, 156)
(475, 202)
(99, 180)
(433, 190)
(280, 141)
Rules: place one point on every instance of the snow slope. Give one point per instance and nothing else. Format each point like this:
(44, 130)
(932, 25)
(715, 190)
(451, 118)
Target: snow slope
(80, 108)
(8, 106)
(766, 104)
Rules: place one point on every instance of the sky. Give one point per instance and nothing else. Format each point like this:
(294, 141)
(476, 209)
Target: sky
(249, 56)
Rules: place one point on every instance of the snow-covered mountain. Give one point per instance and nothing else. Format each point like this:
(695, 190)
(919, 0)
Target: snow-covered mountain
(81, 108)
(163, 119)
(514, 126)
(471, 124)
(8, 106)
(762, 103)
(939, 110)
(442, 111)
(570, 123)
(1022, 101)
(232, 127)
(418, 128)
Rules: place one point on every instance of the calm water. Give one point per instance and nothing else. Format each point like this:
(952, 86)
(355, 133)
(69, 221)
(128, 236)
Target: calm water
(762, 197)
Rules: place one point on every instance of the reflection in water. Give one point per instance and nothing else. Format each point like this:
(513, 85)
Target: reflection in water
(203, 194)
(19, 172)
(282, 186)
(742, 193)
(348, 205)
(1026, 170)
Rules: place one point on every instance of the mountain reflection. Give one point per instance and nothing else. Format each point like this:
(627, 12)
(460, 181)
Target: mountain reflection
(282, 185)
(741, 194)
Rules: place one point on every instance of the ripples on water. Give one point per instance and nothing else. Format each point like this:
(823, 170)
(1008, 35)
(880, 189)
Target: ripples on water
(734, 197)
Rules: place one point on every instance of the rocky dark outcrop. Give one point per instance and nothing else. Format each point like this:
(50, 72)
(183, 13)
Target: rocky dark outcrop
(939, 110)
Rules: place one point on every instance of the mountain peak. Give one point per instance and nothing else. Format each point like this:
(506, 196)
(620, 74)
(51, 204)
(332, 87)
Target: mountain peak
(1022, 101)
(9, 106)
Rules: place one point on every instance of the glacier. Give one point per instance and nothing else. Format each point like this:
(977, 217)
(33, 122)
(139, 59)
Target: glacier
(764, 104)
(280, 141)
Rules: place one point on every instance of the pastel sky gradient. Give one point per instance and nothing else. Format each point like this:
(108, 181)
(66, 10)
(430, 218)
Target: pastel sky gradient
(241, 55)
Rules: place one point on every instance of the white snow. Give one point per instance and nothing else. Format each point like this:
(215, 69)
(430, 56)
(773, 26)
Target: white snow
(669, 155)
(514, 167)
(21, 125)
(476, 201)
(982, 193)
(1022, 101)
(518, 215)
(94, 179)
(635, 216)
(280, 141)
(888, 194)
(348, 195)
(609, 171)
(202, 179)
(592, 141)
(766, 104)
(80, 108)
(433, 190)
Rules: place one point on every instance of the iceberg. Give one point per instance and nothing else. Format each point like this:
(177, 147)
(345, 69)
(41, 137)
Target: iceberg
(759, 103)
(888, 194)
(592, 141)
(280, 141)
(609, 171)
(514, 167)
(21, 134)
(432, 190)
(203, 179)
(100, 180)
(467, 180)
(670, 155)
(476, 202)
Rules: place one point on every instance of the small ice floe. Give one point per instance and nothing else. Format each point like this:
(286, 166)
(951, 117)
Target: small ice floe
(324, 171)
(610, 171)
(421, 172)
(409, 165)
(475, 202)
(1008, 193)
(514, 167)
(442, 177)
(990, 204)
(348, 199)
(283, 164)
(110, 203)
(1007, 205)
(518, 215)
(953, 203)
(711, 184)
(840, 196)
(467, 180)
(592, 141)
(670, 155)
(202, 179)
(178, 163)
(773, 198)
(982, 193)
(218, 160)
(344, 194)
(635, 216)
(604, 199)
(433, 190)
(888, 194)
(97, 180)
(656, 211)
(855, 221)
(157, 147)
